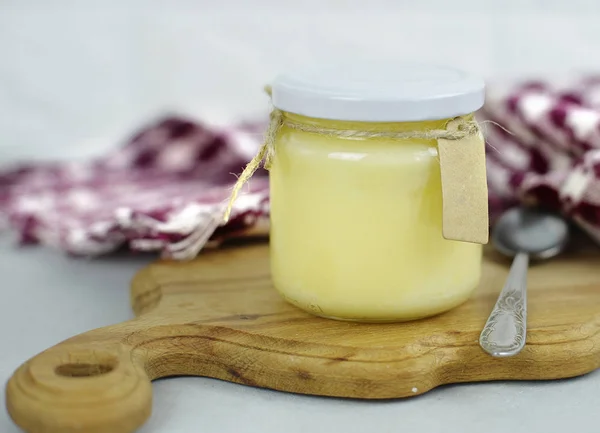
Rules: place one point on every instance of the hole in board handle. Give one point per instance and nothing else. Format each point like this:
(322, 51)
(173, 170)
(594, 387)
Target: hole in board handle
(83, 369)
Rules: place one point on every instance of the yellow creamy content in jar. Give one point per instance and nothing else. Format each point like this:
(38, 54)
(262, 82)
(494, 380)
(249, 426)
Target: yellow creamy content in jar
(357, 225)
(354, 156)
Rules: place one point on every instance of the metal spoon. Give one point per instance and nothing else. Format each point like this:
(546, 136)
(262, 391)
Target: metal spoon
(520, 233)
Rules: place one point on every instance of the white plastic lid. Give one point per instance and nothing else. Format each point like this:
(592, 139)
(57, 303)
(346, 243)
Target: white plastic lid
(378, 92)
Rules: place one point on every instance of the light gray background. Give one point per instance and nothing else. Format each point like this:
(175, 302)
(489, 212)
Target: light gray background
(76, 76)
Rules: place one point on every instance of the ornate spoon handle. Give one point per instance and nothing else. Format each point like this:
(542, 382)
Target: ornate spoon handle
(505, 330)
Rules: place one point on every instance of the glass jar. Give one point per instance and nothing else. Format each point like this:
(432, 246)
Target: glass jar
(356, 222)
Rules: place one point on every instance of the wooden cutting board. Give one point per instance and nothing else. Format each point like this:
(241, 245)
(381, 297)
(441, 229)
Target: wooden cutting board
(218, 316)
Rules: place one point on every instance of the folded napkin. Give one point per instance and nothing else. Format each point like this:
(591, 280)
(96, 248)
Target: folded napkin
(166, 189)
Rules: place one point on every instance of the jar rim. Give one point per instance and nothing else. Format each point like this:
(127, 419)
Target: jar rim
(378, 91)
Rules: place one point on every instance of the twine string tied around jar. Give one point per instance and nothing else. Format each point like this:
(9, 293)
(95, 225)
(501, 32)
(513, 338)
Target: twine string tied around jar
(463, 127)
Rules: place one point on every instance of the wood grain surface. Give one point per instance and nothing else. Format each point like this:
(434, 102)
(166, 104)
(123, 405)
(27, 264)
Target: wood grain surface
(219, 316)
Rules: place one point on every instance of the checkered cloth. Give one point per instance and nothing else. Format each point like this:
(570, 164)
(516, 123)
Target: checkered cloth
(166, 189)
(547, 151)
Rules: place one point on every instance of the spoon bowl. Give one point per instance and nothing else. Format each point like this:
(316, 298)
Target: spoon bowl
(539, 233)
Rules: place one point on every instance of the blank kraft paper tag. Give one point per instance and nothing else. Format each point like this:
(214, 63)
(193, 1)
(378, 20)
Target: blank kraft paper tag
(465, 214)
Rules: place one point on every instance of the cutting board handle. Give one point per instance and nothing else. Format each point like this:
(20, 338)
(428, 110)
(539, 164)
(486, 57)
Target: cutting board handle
(83, 384)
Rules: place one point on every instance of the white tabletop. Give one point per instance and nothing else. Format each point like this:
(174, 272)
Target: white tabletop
(47, 297)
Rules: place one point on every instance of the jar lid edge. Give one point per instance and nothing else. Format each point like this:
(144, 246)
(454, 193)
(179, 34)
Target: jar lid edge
(379, 92)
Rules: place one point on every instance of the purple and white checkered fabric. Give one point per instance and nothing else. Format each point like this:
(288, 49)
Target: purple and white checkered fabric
(551, 156)
(166, 189)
